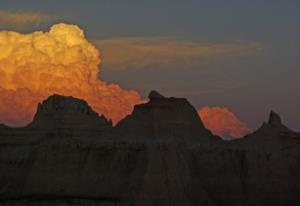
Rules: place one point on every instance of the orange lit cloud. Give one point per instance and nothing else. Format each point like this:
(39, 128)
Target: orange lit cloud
(34, 66)
(140, 52)
(221, 121)
(23, 18)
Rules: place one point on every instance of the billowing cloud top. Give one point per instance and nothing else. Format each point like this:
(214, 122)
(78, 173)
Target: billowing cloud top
(221, 121)
(61, 53)
(36, 65)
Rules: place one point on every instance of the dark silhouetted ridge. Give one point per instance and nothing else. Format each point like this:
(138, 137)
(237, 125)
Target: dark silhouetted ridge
(161, 154)
(67, 112)
(274, 131)
(164, 117)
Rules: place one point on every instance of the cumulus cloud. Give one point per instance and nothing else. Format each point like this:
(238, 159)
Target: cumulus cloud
(141, 52)
(22, 18)
(221, 121)
(36, 65)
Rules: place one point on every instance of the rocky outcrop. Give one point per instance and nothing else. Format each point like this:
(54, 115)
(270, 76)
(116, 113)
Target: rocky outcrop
(67, 112)
(155, 95)
(158, 155)
(260, 169)
(165, 118)
(273, 134)
(274, 119)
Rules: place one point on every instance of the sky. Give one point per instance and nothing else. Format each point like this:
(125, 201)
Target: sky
(244, 55)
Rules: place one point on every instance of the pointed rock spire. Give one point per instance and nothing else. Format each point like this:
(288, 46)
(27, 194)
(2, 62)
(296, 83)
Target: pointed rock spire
(274, 119)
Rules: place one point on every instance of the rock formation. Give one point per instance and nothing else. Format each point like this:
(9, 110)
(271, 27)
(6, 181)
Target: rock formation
(67, 112)
(165, 118)
(274, 119)
(274, 133)
(161, 154)
(155, 95)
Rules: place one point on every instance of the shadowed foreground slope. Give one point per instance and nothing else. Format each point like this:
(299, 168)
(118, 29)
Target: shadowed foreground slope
(161, 154)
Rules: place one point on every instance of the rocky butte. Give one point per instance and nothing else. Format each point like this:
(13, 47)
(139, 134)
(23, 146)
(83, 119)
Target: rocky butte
(161, 154)
(58, 112)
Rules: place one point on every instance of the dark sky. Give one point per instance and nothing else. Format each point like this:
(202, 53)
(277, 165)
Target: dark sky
(258, 68)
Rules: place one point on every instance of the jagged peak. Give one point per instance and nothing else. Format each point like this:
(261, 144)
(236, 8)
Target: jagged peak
(274, 119)
(155, 95)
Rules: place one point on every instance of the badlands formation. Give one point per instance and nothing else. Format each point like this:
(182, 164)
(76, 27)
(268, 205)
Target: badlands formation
(159, 155)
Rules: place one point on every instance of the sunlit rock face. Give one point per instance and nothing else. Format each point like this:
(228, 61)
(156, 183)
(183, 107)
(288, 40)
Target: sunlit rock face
(34, 66)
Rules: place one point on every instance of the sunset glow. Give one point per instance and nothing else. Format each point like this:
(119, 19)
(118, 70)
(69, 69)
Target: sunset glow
(36, 65)
(221, 121)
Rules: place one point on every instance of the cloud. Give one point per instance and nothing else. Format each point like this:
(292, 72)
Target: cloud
(36, 65)
(141, 52)
(221, 121)
(22, 18)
